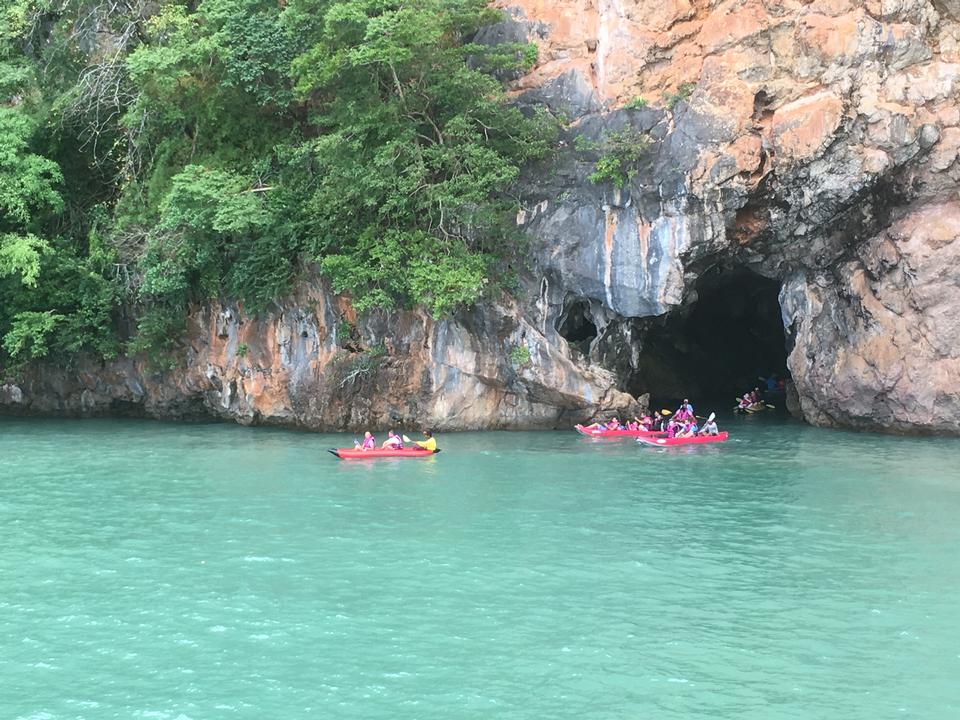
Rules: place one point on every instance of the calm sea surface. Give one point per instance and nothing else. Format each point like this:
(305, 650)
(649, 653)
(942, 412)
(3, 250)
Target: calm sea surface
(193, 572)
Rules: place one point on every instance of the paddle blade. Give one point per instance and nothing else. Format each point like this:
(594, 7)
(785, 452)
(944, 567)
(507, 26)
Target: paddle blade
(712, 416)
(666, 412)
(406, 439)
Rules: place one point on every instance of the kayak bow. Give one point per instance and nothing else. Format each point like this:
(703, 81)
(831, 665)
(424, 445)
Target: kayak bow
(354, 454)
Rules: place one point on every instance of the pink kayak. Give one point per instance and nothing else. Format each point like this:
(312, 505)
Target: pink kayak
(355, 454)
(597, 433)
(695, 440)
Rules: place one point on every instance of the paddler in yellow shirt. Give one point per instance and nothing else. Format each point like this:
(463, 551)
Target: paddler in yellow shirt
(430, 443)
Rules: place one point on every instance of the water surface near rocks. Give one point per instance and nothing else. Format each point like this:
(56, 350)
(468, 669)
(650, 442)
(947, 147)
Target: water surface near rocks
(212, 571)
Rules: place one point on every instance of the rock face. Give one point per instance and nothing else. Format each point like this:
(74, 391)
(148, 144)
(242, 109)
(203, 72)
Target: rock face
(311, 364)
(813, 144)
(877, 343)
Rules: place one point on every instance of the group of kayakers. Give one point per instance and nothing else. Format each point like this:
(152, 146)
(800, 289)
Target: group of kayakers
(644, 423)
(750, 400)
(680, 423)
(395, 442)
(757, 399)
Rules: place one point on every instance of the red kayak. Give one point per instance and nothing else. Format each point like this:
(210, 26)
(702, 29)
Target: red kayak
(355, 454)
(695, 440)
(616, 433)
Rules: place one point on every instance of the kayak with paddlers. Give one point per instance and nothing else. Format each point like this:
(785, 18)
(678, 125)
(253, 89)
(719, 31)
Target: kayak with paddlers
(637, 427)
(606, 433)
(692, 440)
(677, 427)
(683, 425)
(752, 402)
(394, 446)
(354, 454)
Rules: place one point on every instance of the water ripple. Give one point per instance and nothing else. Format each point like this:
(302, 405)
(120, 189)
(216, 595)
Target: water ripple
(159, 571)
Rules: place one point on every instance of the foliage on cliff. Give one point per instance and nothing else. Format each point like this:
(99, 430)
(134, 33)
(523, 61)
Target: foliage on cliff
(153, 155)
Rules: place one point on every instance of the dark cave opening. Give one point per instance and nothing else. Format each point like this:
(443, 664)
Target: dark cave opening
(575, 324)
(718, 348)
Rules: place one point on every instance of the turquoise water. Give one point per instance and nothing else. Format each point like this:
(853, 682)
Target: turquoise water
(169, 571)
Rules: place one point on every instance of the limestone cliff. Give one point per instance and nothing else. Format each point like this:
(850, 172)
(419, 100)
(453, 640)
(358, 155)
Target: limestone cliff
(818, 148)
(811, 144)
(312, 364)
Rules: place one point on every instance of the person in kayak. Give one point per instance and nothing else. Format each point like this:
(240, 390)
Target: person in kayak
(369, 442)
(710, 426)
(613, 424)
(393, 441)
(685, 411)
(689, 429)
(430, 443)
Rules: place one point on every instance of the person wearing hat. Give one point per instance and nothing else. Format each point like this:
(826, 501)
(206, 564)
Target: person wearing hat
(710, 426)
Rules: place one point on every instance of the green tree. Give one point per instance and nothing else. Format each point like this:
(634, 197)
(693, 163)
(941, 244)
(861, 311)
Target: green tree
(418, 148)
(158, 154)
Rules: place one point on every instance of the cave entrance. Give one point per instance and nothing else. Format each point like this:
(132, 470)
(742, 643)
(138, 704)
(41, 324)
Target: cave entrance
(719, 347)
(575, 324)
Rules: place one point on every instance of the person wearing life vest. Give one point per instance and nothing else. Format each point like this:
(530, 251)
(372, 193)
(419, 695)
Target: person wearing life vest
(685, 411)
(430, 443)
(369, 442)
(671, 428)
(393, 441)
(613, 424)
